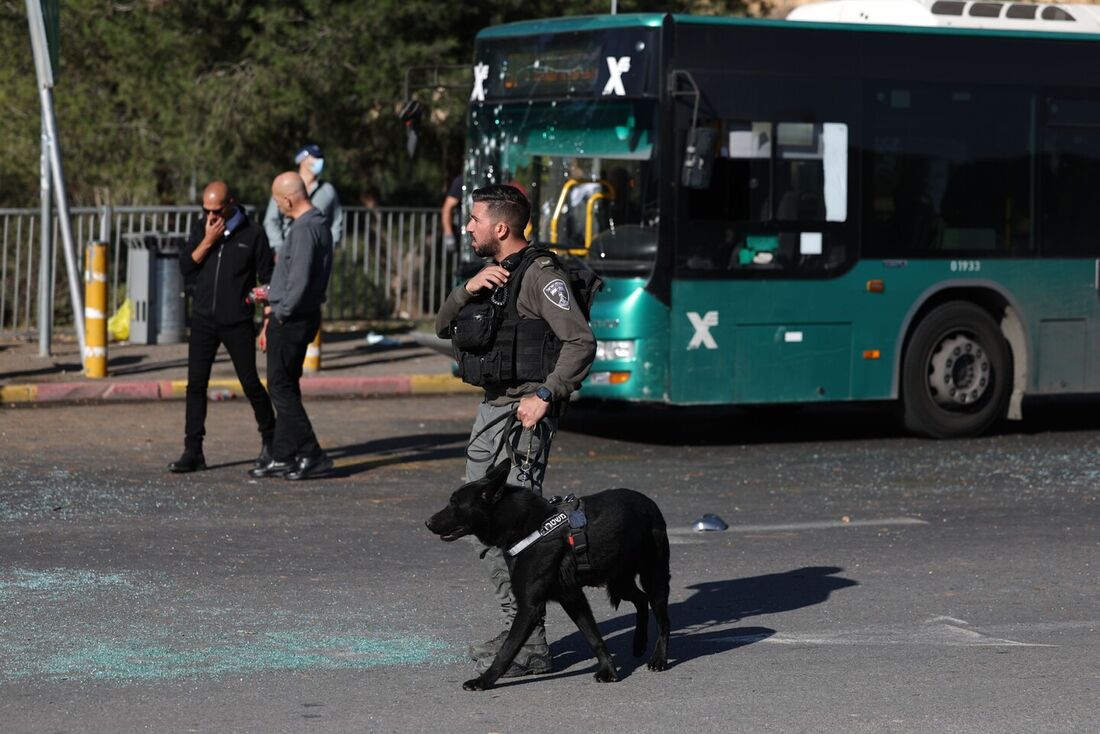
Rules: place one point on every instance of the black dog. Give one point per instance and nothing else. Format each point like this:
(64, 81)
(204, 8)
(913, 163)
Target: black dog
(626, 539)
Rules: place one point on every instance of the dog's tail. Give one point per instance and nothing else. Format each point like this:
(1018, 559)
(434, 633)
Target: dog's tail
(660, 543)
(659, 557)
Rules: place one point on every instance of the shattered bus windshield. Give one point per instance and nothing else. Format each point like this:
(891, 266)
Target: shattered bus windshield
(587, 168)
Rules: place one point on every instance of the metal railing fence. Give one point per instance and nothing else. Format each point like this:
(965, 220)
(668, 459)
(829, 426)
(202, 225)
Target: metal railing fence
(389, 264)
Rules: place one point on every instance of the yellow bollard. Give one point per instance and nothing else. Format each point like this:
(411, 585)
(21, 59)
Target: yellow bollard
(95, 310)
(312, 361)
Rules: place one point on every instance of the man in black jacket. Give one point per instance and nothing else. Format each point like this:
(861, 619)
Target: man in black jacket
(225, 256)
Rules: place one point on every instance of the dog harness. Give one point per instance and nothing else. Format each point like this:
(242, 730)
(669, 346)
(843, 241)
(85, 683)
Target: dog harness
(552, 523)
(578, 531)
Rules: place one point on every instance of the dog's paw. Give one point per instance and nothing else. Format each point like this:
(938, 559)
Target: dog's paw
(658, 664)
(476, 684)
(606, 675)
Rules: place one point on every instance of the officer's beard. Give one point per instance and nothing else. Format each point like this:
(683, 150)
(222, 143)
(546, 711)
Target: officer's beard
(489, 249)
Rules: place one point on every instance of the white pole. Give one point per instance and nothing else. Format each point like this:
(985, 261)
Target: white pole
(49, 125)
(45, 260)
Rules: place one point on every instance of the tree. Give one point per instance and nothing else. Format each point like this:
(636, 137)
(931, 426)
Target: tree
(154, 98)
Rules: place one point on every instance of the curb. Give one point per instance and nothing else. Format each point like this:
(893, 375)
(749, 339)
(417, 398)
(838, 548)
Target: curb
(134, 390)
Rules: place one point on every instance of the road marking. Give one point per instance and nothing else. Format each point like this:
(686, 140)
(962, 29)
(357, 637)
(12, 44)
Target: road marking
(938, 631)
(796, 526)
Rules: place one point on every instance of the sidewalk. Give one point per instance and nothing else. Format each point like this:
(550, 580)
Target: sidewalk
(351, 366)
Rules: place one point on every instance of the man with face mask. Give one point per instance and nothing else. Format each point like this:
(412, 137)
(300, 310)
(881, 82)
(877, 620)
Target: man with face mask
(322, 195)
(225, 256)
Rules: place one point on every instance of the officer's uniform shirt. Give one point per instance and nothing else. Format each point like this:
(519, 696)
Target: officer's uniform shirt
(544, 294)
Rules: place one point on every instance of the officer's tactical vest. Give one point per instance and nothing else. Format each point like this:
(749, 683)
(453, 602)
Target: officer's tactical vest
(496, 348)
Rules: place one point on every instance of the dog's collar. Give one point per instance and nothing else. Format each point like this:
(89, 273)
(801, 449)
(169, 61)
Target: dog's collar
(551, 524)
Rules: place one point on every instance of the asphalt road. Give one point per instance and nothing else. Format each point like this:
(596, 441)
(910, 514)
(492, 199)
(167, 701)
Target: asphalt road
(869, 581)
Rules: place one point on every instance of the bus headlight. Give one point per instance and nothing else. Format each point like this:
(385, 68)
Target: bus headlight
(615, 349)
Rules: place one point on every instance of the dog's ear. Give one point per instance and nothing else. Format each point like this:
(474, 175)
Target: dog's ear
(496, 479)
(498, 473)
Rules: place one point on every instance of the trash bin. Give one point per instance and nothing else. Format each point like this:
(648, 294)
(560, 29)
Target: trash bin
(155, 287)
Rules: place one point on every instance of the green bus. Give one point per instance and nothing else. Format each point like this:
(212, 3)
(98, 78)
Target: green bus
(799, 212)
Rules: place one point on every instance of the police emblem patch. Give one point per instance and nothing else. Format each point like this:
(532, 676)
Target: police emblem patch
(557, 292)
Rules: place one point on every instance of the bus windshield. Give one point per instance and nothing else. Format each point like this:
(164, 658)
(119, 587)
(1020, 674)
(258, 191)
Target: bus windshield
(588, 169)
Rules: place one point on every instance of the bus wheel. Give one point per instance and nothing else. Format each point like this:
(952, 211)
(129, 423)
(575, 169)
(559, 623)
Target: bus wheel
(957, 373)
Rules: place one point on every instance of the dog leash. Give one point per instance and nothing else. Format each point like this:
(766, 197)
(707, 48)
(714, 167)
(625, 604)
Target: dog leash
(544, 434)
(512, 434)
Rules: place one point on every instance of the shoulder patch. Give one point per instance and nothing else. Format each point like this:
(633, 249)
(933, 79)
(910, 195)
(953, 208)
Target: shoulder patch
(544, 262)
(557, 292)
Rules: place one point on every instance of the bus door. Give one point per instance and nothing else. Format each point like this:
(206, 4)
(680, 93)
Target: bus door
(756, 316)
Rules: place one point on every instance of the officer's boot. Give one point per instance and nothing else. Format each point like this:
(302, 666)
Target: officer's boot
(534, 657)
(502, 590)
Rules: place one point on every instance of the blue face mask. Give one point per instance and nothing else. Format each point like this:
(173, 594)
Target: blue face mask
(316, 165)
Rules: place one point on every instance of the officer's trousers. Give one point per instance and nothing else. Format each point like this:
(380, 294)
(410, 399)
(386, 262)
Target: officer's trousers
(480, 456)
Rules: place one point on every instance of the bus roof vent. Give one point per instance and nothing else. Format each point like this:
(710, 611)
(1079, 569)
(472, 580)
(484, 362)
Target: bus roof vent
(948, 7)
(986, 10)
(954, 14)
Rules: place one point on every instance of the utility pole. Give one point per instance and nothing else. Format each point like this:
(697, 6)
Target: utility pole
(52, 151)
(45, 259)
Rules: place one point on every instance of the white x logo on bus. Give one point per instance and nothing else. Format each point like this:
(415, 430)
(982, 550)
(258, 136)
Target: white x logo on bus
(481, 73)
(617, 67)
(702, 326)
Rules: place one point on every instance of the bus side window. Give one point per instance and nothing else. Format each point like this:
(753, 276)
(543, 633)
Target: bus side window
(738, 192)
(1069, 172)
(948, 172)
(776, 187)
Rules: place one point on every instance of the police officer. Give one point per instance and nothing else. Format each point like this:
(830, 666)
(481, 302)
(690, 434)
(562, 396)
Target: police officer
(540, 351)
(224, 257)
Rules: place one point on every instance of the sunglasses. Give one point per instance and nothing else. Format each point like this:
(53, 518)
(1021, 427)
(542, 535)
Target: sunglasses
(219, 212)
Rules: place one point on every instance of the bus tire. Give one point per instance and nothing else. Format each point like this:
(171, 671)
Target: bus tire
(957, 373)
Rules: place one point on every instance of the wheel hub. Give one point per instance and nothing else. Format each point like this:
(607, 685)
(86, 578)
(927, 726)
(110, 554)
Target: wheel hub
(959, 372)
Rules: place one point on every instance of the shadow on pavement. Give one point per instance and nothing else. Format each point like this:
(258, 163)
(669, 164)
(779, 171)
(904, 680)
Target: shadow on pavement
(723, 425)
(700, 622)
(68, 367)
(396, 450)
(376, 454)
(340, 361)
(138, 365)
(242, 463)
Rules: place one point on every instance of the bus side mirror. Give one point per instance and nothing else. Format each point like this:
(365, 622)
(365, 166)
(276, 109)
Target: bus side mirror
(698, 158)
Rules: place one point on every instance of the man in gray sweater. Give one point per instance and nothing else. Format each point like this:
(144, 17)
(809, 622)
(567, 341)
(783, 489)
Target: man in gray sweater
(293, 316)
